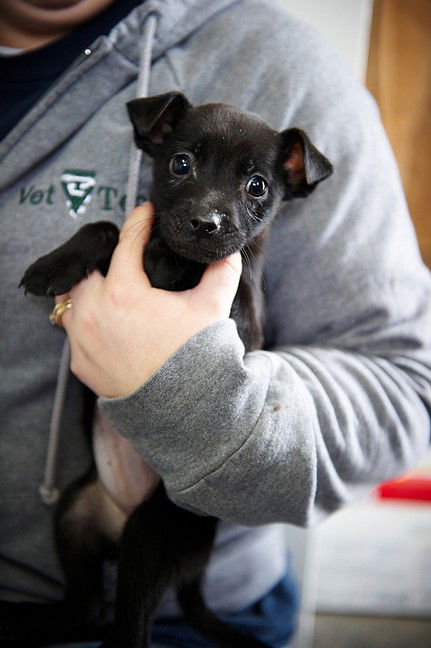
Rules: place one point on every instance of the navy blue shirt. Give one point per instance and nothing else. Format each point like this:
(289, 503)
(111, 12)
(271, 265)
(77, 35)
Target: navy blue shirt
(24, 78)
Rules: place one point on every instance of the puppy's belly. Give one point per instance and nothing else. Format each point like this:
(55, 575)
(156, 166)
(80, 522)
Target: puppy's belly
(127, 478)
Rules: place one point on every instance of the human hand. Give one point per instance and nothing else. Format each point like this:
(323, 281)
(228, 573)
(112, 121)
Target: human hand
(121, 329)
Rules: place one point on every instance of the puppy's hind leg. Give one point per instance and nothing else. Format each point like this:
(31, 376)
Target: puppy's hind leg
(88, 527)
(160, 546)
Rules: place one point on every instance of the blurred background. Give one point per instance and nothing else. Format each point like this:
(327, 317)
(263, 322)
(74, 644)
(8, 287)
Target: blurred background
(365, 573)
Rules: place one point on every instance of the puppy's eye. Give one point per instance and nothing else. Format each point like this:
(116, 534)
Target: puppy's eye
(181, 164)
(257, 186)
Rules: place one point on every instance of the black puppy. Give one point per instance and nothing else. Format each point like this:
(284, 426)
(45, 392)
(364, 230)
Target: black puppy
(219, 175)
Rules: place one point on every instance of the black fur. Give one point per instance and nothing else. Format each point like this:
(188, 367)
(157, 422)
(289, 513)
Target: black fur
(208, 164)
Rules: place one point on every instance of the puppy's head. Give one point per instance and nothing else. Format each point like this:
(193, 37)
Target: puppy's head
(219, 172)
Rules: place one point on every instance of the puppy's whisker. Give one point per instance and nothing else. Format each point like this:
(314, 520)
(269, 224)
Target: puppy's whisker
(245, 252)
(137, 224)
(137, 236)
(145, 223)
(261, 251)
(252, 215)
(144, 227)
(258, 248)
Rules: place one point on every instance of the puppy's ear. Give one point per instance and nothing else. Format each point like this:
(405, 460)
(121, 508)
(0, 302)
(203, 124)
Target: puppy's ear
(303, 165)
(154, 118)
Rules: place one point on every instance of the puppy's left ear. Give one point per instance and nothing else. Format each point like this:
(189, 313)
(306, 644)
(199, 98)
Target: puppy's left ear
(304, 166)
(154, 118)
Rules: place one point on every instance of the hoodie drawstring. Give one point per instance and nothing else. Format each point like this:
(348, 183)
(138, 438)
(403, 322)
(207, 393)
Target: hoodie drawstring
(48, 490)
(141, 91)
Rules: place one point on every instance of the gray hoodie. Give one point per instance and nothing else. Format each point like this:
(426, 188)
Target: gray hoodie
(338, 400)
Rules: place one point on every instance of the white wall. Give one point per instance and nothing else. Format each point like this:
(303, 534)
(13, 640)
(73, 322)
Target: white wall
(345, 23)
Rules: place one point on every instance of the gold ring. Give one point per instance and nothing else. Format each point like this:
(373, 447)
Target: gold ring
(57, 313)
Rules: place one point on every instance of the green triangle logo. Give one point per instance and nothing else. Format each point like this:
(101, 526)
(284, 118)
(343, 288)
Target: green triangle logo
(77, 186)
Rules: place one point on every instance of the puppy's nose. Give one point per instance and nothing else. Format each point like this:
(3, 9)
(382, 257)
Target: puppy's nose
(207, 224)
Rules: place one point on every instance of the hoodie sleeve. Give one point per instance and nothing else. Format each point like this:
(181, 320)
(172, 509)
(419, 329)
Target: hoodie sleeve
(340, 398)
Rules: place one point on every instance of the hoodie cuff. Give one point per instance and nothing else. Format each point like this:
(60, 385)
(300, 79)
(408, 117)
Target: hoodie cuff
(185, 409)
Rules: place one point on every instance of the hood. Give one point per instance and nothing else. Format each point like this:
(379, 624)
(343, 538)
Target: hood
(109, 63)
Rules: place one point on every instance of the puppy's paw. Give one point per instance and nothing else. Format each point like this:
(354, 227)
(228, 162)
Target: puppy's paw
(57, 272)
(50, 276)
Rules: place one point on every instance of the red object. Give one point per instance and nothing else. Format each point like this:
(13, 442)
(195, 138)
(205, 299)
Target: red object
(411, 488)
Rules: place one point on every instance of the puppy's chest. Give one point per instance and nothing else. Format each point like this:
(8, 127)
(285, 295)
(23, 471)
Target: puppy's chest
(126, 477)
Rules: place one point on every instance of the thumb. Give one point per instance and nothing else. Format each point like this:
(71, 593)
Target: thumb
(219, 282)
(127, 260)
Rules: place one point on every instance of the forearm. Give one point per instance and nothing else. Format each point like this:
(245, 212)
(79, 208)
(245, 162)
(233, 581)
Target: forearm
(272, 436)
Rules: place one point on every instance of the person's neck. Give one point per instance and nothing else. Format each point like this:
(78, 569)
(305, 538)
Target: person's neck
(29, 25)
(19, 39)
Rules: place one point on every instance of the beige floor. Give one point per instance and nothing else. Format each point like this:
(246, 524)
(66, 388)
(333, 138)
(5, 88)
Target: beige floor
(332, 631)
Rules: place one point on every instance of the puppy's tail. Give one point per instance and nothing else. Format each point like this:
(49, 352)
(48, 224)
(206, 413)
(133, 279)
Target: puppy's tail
(207, 623)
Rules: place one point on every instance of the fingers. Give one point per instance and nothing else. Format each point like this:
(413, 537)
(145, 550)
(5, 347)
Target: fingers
(77, 296)
(127, 259)
(59, 314)
(220, 282)
(61, 298)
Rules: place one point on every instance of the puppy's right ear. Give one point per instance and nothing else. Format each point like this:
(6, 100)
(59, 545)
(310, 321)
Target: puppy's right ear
(154, 118)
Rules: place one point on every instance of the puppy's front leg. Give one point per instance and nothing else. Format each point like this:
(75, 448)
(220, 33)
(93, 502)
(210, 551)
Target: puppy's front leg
(57, 272)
